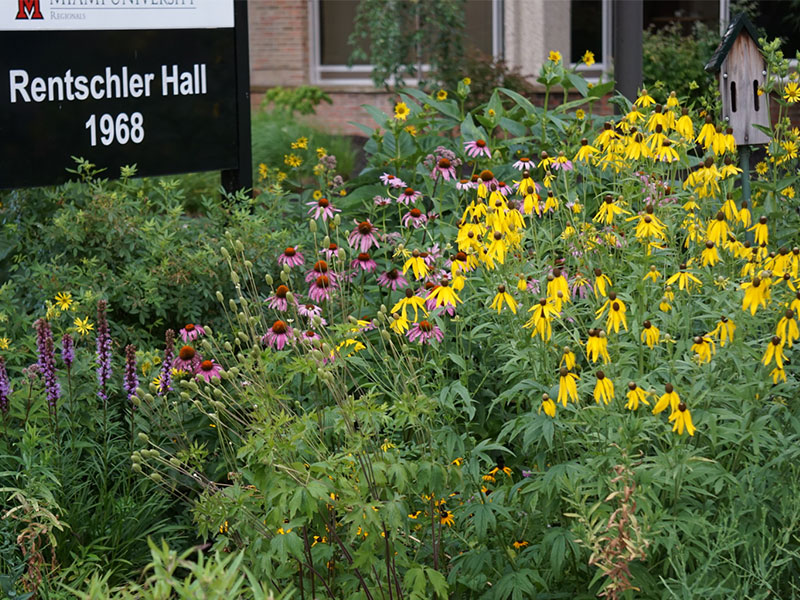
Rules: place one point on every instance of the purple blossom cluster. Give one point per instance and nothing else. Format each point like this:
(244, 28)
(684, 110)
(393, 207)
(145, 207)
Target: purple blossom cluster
(67, 350)
(165, 376)
(131, 378)
(5, 387)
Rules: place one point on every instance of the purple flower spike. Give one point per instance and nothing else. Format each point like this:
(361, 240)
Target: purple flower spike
(47, 363)
(165, 377)
(5, 387)
(103, 351)
(131, 379)
(67, 350)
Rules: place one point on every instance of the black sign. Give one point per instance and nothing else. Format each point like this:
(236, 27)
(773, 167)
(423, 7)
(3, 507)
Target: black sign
(167, 100)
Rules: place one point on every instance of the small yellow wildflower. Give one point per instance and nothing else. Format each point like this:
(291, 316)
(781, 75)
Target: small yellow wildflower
(300, 143)
(441, 95)
(554, 56)
(321, 151)
(4, 343)
(588, 58)
(64, 300)
(292, 160)
(791, 93)
(466, 81)
(401, 111)
(83, 326)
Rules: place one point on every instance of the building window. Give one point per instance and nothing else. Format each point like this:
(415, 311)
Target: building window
(590, 29)
(332, 21)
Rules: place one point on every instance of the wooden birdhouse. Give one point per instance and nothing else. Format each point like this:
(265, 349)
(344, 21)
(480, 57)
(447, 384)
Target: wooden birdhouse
(741, 72)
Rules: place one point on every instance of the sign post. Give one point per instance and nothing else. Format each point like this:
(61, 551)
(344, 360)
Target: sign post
(162, 84)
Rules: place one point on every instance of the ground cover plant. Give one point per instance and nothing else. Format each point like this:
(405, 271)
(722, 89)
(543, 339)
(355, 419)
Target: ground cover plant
(529, 352)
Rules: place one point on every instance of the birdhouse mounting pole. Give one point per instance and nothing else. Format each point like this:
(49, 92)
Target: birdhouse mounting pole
(744, 165)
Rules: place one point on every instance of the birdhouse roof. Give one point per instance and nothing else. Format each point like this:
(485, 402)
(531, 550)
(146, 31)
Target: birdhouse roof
(739, 23)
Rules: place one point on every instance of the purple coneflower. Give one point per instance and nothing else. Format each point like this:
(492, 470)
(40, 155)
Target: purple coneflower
(47, 362)
(322, 208)
(504, 188)
(363, 236)
(392, 181)
(278, 301)
(561, 163)
(381, 201)
(433, 254)
(414, 219)
(191, 332)
(320, 268)
(392, 279)
(307, 337)
(524, 164)
(329, 252)
(187, 360)
(291, 257)
(464, 184)
(444, 167)
(165, 376)
(409, 196)
(321, 288)
(131, 379)
(278, 335)
(103, 350)
(423, 332)
(364, 262)
(207, 370)
(477, 148)
(309, 310)
(67, 350)
(5, 387)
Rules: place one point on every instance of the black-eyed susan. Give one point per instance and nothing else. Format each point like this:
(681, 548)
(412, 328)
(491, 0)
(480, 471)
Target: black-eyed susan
(635, 395)
(650, 334)
(791, 92)
(64, 300)
(567, 386)
(603, 389)
(681, 420)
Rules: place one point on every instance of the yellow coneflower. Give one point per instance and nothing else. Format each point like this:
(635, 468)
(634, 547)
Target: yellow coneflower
(644, 100)
(682, 420)
(501, 297)
(652, 274)
(650, 334)
(567, 358)
(684, 125)
(723, 331)
(710, 256)
(704, 348)
(586, 152)
(603, 389)
(707, 133)
(597, 346)
(541, 320)
(760, 231)
(787, 329)
(668, 398)
(774, 352)
(444, 294)
(548, 406)
(412, 300)
(756, 294)
(567, 388)
(416, 262)
(684, 279)
(635, 395)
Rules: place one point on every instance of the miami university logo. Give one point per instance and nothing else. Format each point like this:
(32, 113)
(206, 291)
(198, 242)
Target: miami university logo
(29, 9)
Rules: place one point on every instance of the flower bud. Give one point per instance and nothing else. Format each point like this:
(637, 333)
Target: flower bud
(268, 279)
(312, 226)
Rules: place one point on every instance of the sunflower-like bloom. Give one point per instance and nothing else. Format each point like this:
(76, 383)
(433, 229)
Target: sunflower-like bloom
(635, 395)
(682, 420)
(501, 297)
(774, 352)
(567, 388)
(650, 334)
(542, 318)
(668, 398)
(704, 348)
(603, 389)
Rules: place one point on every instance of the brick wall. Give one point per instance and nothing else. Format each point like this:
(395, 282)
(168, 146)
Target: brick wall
(279, 45)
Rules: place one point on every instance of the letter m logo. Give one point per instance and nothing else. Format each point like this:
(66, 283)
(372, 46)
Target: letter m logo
(29, 9)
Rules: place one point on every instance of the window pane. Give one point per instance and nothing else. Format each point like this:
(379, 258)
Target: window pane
(586, 29)
(337, 18)
(478, 25)
(781, 19)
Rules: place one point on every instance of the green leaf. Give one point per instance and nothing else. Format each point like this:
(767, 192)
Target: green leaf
(578, 82)
(380, 117)
(438, 582)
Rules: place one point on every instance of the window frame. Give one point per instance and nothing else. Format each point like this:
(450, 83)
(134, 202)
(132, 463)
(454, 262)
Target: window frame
(602, 68)
(325, 75)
